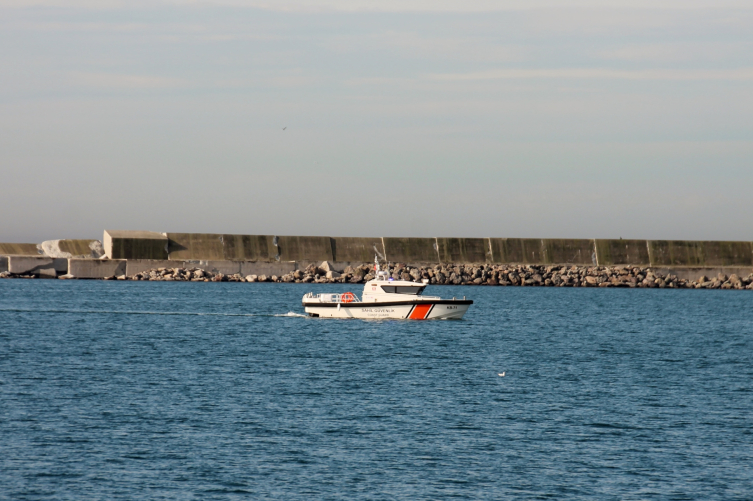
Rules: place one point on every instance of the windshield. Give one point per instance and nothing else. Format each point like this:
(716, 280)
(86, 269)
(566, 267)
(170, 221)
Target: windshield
(402, 289)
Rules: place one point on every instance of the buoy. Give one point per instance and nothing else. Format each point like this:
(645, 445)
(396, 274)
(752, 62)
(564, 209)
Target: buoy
(348, 297)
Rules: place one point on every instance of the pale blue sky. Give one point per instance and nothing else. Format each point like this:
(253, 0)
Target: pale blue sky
(404, 118)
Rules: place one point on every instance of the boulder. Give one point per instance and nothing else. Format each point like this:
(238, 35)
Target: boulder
(326, 266)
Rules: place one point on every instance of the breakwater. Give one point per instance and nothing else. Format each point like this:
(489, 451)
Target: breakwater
(274, 248)
(458, 274)
(489, 275)
(128, 253)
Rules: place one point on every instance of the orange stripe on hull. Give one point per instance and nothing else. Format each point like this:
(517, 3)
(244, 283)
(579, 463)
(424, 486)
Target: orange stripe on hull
(420, 312)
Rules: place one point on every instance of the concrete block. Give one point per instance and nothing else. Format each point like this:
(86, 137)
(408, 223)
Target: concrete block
(463, 250)
(134, 266)
(357, 249)
(91, 249)
(517, 250)
(134, 245)
(676, 253)
(96, 268)
(291, 248)
(700, 253)
(20, 250)
(622, 252)
(192, 246)
(269, 269)
(411, 250)
(248, 247)
(3, 264)
(37, 265)
(728, 253)
(543, 251)
(568, 251)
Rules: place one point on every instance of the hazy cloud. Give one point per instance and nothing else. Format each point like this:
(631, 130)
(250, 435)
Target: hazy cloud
(679, 52)
(473, 6)
(120, 81)
(487, 118)
(601, 74)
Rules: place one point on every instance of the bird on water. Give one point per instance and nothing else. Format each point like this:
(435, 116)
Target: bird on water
(501, 374)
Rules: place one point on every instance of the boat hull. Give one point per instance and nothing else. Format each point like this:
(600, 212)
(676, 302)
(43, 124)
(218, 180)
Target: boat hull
(402, 310)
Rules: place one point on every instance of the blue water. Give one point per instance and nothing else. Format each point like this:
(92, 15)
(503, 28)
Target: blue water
(155, 390)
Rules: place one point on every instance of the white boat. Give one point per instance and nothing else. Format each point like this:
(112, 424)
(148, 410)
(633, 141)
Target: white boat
(384, 297)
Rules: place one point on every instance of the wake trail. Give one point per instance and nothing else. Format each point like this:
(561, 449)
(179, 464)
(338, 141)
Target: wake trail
(289, 314)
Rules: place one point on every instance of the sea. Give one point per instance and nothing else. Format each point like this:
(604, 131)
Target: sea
(114, 390)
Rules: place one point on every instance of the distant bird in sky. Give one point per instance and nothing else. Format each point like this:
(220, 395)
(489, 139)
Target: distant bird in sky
(285, 127)
(501, 374)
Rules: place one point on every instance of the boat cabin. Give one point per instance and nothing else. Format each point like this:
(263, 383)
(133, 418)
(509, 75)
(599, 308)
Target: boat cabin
(384, 288)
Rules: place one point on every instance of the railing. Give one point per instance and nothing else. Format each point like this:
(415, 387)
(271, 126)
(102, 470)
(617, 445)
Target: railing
(334, 298)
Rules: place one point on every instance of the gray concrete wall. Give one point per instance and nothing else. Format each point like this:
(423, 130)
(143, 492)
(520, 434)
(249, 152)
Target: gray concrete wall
(699, 253)
(122, 244)
(463, 250)
(517, 250)
(411, 250)
(3, 264)
(96, 268)
(182, 246)
(266, 248)
(622, 252)
(19, 249)
(37, 265)
(248, 247)
(92, 249)
(357, 250)
(312, 249)
(718, 253)
(290, 248)
(568, 251)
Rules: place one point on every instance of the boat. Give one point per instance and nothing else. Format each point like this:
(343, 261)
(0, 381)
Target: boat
(386, 298)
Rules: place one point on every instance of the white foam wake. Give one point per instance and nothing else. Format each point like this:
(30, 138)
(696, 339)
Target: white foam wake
(176, 313)
(291, 314)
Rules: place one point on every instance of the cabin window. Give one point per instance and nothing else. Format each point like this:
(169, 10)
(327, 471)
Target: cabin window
(392, 289)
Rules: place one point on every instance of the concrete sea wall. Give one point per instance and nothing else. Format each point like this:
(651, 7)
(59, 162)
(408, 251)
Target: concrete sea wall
(118, 244)
(19, 250)
(40, 266)
(234, 253)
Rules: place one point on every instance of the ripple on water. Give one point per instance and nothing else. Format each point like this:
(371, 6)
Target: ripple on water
(114, 390)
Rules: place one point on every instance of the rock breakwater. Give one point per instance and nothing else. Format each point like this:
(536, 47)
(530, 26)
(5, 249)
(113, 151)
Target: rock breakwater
(459, 274)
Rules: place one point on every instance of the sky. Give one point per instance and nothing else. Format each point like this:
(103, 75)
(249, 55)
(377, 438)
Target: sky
(485, 118)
